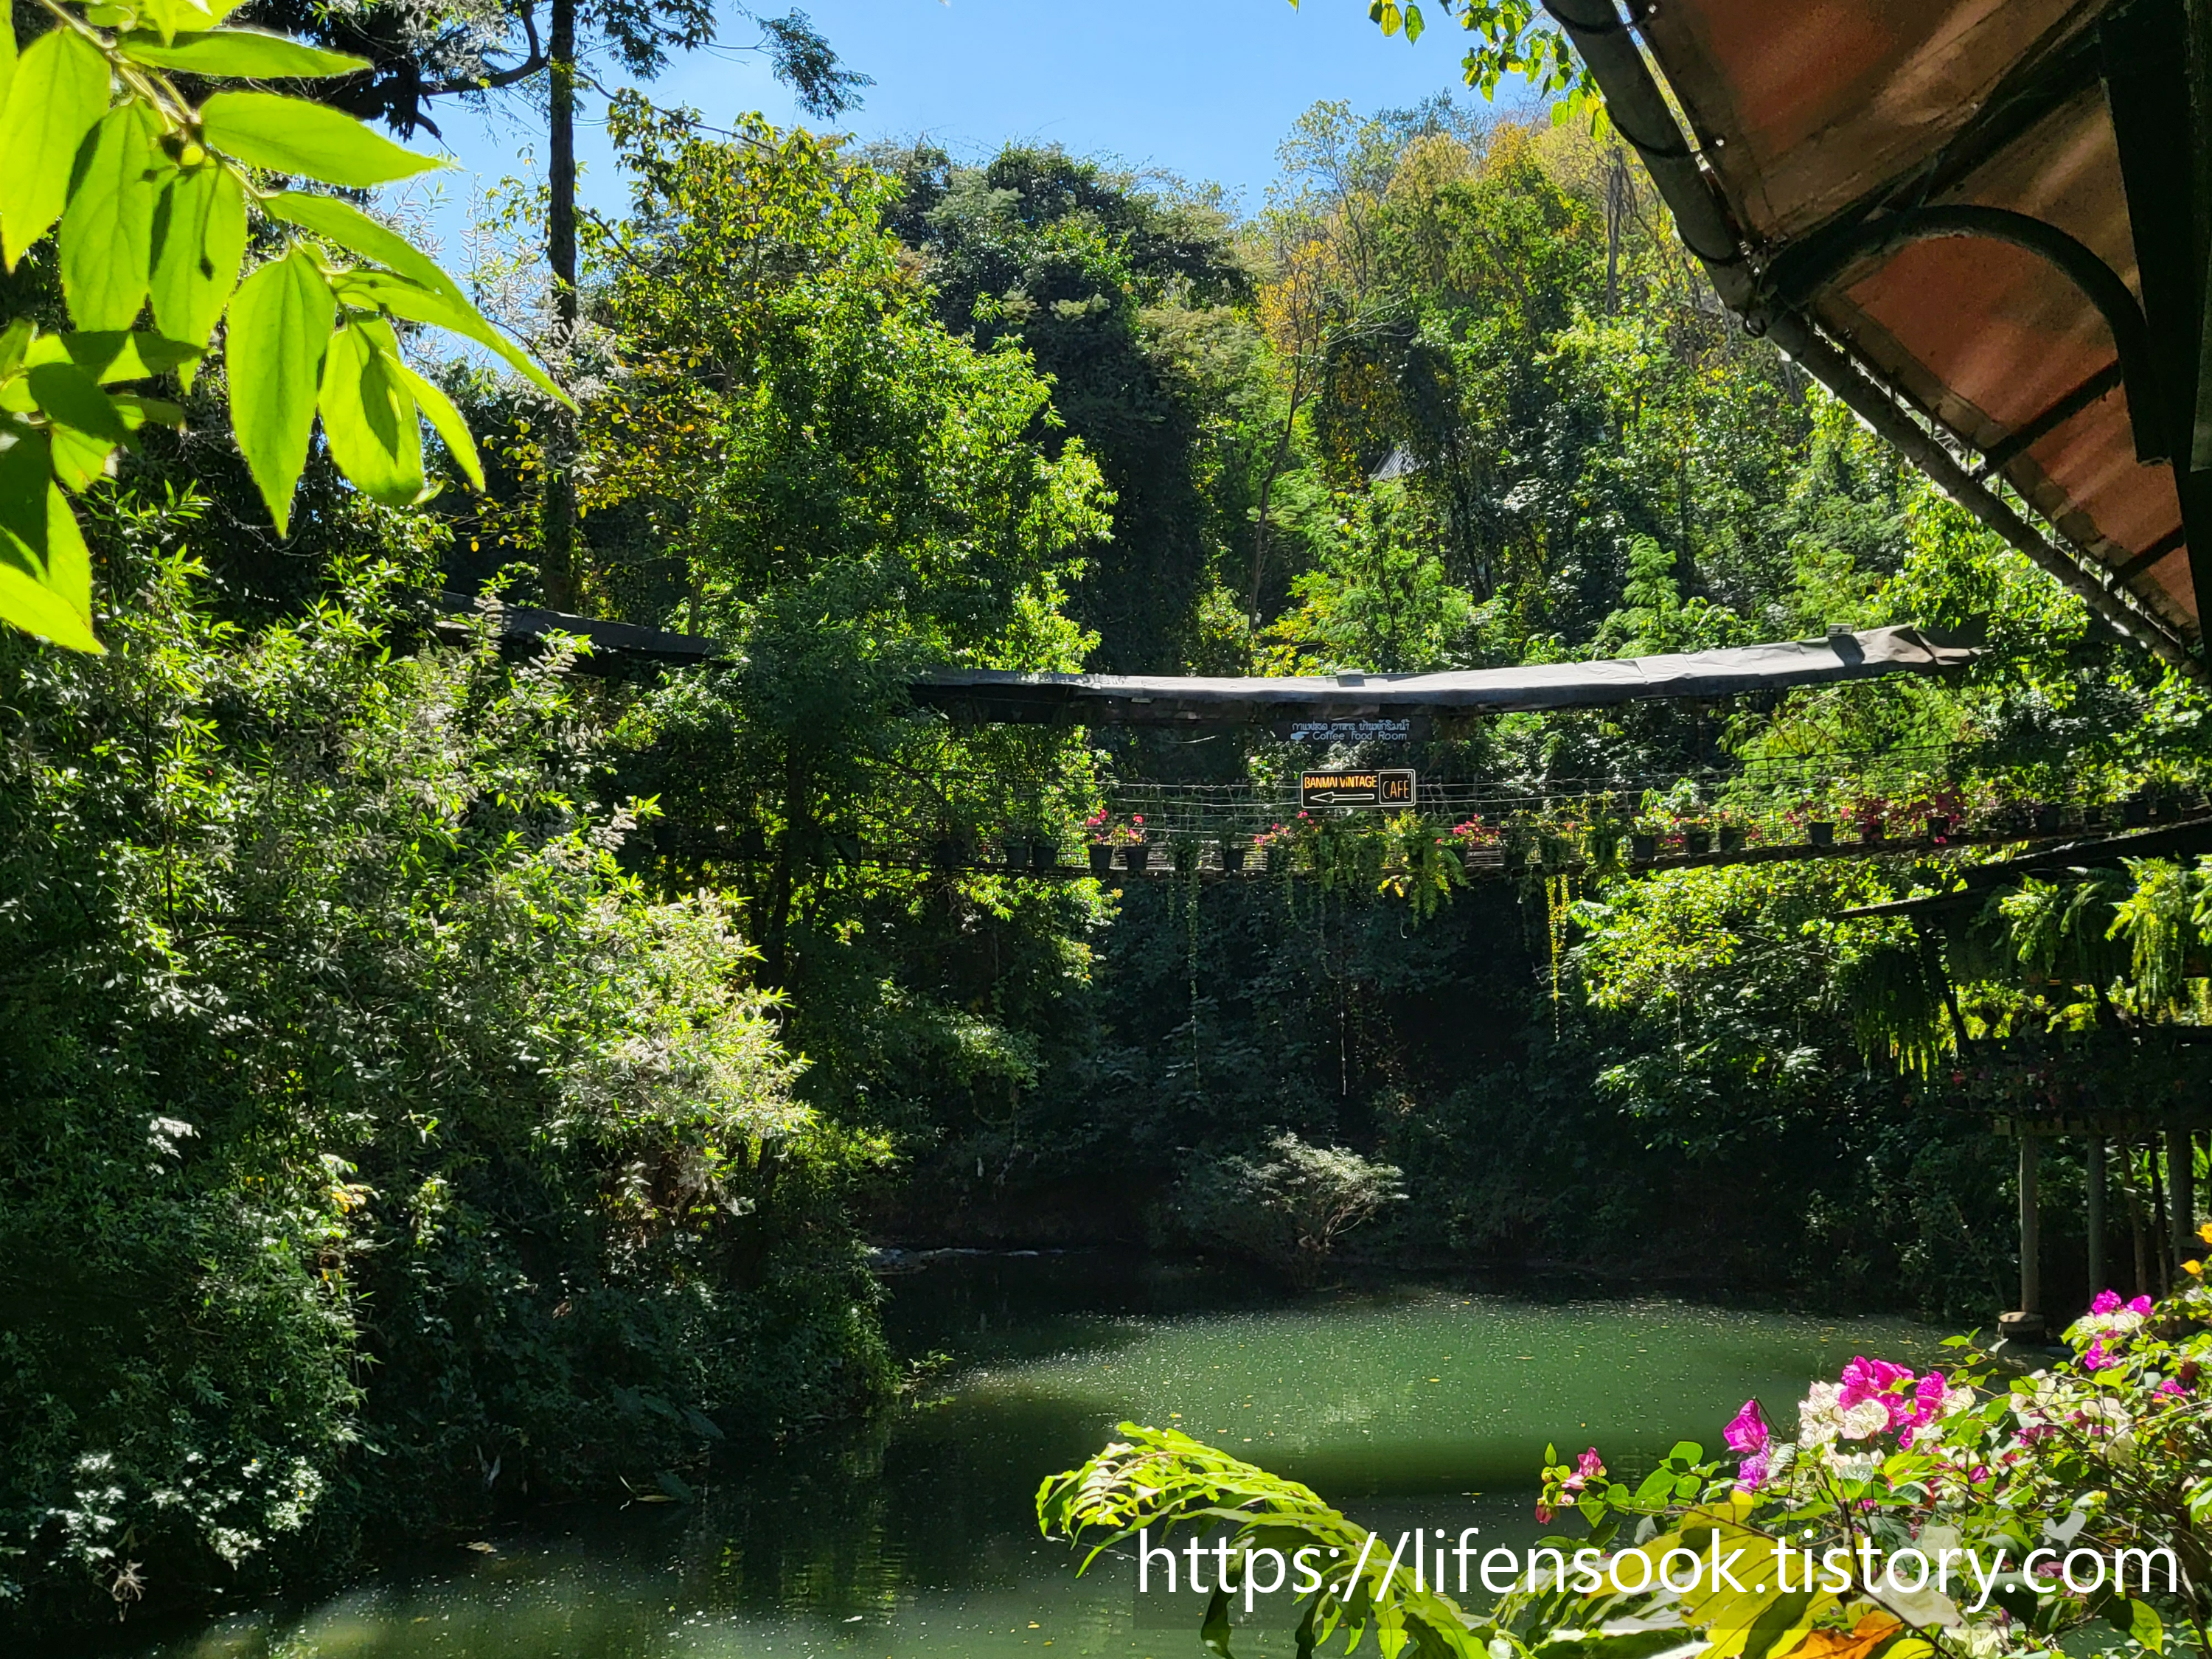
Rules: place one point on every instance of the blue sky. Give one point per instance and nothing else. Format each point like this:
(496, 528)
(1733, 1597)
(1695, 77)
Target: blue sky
(1206, 89)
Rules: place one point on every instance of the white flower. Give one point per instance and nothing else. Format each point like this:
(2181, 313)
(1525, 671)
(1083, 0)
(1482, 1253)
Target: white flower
(1865, 1420)
(1819, 1419)
(2091, 1326)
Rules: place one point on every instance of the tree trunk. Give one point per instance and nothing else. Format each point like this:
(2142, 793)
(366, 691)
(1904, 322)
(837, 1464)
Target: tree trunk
(1276, 462)
(557, 569)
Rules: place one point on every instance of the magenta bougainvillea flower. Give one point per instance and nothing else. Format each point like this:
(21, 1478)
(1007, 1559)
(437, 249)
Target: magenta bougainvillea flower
(1750, 1437)
(1747, 1432)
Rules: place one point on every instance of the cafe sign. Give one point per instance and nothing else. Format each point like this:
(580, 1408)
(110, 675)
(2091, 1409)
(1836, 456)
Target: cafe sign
(1357, 786)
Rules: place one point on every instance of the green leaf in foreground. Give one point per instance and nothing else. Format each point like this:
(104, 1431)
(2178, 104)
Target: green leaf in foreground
(447, 422)
(199, 242)
(368, 414)
(110, 355)
(280, 322)
(7, 55)
(290, 134)
(417, 303)
(58, 91)
(107, 229)
(45, 570)
(355, 231)
(243, 54)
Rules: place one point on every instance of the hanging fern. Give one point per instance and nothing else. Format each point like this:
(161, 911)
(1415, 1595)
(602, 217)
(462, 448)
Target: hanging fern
(2160, 919)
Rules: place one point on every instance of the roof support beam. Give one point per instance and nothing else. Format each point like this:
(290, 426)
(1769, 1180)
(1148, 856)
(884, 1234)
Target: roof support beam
(2025, 436)
(2146, 51)
(2033, 93)
(1797, 274)
(1640, 114)
(2135, 564)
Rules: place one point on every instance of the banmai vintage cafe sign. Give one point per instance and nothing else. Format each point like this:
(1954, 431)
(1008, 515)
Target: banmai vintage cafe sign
(1357, 786)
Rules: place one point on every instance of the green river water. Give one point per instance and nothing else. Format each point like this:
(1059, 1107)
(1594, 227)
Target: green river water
(916, 1540)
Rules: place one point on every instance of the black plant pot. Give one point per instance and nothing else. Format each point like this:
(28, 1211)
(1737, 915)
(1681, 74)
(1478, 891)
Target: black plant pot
(1279, 858)
(1186, 858)
(1820, 832)
(1696, 841)
(1939, 827)
(2135, 813)
(2049, 819)
(948, 854)
(1137, 857)
(1102, 858)
(1643, 848)
(1871, 832)
(1731, 838)
(1232, 857)
(1044, 856)
(752, 843)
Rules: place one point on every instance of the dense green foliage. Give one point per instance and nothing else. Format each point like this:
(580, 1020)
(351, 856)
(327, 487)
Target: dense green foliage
(375, 1145)
(442, 1076)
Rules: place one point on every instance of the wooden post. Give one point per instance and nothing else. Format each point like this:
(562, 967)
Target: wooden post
(2094, 1176)
(2161, 1234)
(2133, 1194)
(2180, 1178)
(2030, 1230)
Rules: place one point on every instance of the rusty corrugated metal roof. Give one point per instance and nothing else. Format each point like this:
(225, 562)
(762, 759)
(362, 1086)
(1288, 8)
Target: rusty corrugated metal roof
(1941, 189)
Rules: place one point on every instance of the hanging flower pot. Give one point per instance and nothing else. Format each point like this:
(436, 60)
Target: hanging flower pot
(1186, 857)
(1696, 841)
(1232, 856)
(1137, 857)
(1820, 832)
(1279, 858)
(1044, 856)
(2135, 811)
(1870, 832)
(1731, 838)
(1102, 858)
(2049, 818)
(752, 843)
(1643, 846)
(948, 854)
(1939, 827)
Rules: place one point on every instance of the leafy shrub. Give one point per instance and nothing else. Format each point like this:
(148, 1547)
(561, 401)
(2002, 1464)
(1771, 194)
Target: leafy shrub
(376, 1145)
(1288, 1209)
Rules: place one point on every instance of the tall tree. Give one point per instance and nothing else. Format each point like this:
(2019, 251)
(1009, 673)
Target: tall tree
(466, 50)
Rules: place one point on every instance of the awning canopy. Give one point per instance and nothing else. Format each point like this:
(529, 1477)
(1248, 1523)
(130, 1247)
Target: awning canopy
(1983, 223)
(2074, 860)
(1166, 700)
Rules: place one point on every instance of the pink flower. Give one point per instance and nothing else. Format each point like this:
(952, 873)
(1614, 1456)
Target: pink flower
(2107, 1302)
(1747, 1432)
(1877, 1380)
(2097, 1359)
(1588, 1467)
(2171, 1389)
(2140, 1305)
(1544, 1514)
(1751, 1473)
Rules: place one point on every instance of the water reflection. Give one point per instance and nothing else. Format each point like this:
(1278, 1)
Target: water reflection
(913, 1536)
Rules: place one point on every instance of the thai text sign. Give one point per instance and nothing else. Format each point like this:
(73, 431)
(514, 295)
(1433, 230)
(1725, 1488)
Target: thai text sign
(1357, 786)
